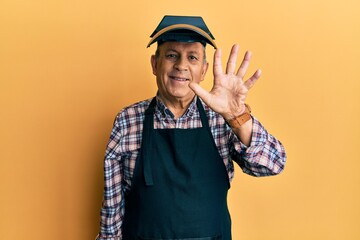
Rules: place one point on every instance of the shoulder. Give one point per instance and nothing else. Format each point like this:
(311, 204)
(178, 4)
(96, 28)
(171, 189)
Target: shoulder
(133, 113)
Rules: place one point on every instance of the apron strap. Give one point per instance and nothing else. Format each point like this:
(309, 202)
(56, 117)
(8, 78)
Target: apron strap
(148, 125)
(203, 117)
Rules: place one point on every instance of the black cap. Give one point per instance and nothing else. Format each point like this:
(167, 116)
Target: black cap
(182, 29)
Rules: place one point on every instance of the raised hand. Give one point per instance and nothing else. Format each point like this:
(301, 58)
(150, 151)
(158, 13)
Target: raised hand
(228, 94)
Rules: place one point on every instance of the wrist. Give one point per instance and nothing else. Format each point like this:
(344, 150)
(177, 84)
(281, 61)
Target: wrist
(240, 118)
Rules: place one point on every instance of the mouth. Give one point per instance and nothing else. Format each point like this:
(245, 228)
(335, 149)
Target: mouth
(180, 79)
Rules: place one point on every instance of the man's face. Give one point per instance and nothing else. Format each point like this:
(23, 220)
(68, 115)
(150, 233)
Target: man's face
(176, 65)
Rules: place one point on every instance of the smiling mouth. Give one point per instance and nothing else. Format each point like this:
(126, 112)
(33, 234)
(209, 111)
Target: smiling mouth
(181, 79)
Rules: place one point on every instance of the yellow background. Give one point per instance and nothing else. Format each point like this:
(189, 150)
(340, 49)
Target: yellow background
(67, 68)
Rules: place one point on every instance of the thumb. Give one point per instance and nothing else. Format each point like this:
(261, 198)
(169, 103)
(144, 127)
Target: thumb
(199, 91)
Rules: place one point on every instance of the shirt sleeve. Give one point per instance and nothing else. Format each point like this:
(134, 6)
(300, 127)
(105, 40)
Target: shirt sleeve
(113, 206)
(264, 157)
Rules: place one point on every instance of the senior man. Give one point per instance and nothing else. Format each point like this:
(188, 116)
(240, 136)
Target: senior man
(169, 160)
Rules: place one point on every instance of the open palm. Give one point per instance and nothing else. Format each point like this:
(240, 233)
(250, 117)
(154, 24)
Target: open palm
(228, 94)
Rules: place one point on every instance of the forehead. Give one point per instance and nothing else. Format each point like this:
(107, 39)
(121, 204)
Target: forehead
(182, 47)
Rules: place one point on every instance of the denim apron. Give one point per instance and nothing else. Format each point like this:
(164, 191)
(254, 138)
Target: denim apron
(179, 187)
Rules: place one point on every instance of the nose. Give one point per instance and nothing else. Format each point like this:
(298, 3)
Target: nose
(181, 64)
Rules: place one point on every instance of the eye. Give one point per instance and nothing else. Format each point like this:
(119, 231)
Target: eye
(171, 56)
(193, 58)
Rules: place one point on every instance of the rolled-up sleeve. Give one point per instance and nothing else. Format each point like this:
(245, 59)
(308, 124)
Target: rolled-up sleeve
(264, 157)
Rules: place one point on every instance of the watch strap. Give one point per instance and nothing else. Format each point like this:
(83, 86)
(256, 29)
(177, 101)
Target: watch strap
(236, 122)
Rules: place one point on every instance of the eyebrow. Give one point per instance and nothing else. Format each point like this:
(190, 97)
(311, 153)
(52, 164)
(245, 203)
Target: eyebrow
(174, 50)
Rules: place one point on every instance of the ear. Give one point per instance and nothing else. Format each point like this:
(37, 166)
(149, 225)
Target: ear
(204, 70)
(154, 64)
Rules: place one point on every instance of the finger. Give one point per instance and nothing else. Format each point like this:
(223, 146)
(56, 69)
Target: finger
(251, 81)
(244, 64)
(231, 64)
(217, 68)
(201, 92)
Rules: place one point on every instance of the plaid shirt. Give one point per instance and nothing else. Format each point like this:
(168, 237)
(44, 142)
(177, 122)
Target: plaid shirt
(265, 156)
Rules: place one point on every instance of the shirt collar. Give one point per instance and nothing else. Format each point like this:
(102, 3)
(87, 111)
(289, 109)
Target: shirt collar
(165, 112)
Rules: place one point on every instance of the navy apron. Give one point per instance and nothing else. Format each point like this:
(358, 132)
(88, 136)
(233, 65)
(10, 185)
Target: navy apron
(179, 187)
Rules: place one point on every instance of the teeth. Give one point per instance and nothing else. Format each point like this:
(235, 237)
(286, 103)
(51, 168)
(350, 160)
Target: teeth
(179, 79)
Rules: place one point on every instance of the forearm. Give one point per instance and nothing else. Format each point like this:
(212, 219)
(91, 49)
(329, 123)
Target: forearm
(244, 132)
(241, 123)
(264, 156)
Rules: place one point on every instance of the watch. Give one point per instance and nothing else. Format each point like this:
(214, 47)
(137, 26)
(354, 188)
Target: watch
(236, 122)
